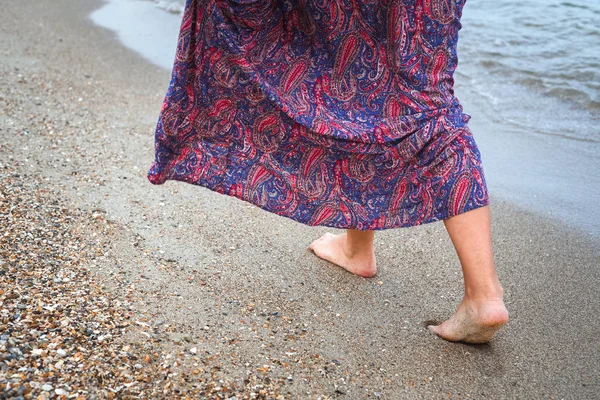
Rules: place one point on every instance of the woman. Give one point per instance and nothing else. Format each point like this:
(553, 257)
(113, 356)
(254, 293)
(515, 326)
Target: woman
(336, 113)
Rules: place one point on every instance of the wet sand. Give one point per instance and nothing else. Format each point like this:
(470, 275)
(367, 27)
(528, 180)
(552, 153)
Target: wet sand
(204, 272)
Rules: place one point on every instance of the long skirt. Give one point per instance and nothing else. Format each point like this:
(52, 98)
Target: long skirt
(336, 113)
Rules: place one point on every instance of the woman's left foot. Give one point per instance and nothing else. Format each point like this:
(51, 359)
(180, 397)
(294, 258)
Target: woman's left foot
(473, 322)
(334, 249)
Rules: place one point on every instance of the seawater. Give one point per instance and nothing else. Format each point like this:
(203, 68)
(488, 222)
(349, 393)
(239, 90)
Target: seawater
(546, 52)
(173, 6)
(528, 74)
(550, 46)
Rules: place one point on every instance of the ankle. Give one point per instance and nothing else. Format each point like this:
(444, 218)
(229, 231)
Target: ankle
(352, 250)
(358, 243)
(491, 293)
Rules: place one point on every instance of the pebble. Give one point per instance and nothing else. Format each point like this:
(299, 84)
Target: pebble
(179, 337)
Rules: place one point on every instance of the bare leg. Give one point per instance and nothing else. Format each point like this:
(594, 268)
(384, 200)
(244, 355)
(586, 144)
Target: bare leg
(352, 251)
(481, 312)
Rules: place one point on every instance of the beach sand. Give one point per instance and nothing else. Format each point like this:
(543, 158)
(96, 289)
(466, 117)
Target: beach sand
(222, 298)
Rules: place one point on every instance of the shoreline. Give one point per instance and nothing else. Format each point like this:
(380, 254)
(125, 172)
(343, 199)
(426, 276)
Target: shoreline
(143, 27)
(228, 294)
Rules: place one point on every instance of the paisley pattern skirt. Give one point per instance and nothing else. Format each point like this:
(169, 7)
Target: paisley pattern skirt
(336, 113)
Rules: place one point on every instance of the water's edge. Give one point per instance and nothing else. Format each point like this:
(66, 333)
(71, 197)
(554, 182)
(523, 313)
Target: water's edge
(142, 27)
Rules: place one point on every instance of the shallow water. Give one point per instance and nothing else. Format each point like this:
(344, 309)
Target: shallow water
(528, 74)
(143, 27)
(546, 52)
(550, 46)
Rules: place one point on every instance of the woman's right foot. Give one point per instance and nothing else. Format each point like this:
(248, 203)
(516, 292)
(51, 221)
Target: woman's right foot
(473, 322)
(333, 248)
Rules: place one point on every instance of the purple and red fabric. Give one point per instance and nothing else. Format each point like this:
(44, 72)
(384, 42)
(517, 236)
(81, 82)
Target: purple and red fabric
(337, 113)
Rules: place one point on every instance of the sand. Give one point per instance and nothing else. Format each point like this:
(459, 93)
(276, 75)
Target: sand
(228, 296)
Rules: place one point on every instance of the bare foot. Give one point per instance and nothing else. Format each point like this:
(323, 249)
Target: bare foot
(334, 249)
(473, 322)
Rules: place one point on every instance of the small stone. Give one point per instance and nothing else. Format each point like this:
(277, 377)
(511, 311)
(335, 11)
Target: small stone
(47, 387)
(176, 337)
(16, 351)
(61, 353)
(193, 350)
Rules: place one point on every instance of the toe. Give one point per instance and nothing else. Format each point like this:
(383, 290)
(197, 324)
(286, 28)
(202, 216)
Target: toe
(435, 329)
(315, 243)
(320, 241)
(326, 236)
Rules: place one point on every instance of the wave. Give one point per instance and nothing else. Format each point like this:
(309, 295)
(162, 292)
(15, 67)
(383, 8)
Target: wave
(172, 6)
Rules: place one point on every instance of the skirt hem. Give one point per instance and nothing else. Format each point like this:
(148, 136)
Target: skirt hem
(389, 219)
